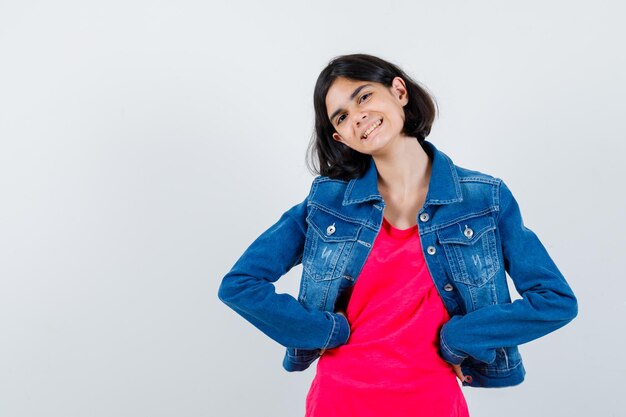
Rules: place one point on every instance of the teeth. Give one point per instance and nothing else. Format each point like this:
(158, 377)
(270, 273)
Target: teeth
(372, 127)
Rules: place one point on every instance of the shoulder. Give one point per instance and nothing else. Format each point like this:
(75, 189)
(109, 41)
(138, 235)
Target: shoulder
(467, 175)
(327, 191)
(478, 188)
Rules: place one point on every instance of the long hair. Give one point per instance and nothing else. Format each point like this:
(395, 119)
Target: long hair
(339, 161)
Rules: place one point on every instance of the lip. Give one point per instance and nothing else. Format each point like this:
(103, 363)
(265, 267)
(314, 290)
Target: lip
(373, 131)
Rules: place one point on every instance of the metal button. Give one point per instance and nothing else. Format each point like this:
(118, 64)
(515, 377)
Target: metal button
(330, 229)
(448, 287)
(468, 379)
(424, 217)
(431, 250)
(468, 232)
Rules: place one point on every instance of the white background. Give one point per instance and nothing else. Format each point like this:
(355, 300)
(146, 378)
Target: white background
(145, 144)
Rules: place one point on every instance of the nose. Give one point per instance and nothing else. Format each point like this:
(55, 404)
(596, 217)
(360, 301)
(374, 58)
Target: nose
(361, 117)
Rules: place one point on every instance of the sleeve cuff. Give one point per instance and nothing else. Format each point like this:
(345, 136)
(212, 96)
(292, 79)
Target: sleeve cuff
(340, 332)
(447, 353)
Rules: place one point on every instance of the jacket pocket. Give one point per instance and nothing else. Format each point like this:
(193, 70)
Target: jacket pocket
(470, 248)
(330, 239)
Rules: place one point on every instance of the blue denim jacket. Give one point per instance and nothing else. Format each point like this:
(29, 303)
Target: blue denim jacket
(471, 231)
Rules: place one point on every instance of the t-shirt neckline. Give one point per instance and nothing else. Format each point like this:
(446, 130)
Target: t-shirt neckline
(398, 233)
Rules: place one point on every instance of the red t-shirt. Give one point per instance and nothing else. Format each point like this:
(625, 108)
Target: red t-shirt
(390, 365)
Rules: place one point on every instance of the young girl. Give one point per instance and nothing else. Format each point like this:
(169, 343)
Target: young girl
(404, 257)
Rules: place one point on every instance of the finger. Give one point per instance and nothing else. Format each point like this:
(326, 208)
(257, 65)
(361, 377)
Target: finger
(459, 372)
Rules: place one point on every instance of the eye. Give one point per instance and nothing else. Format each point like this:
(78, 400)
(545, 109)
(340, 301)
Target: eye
(360, 100)
(365, 95)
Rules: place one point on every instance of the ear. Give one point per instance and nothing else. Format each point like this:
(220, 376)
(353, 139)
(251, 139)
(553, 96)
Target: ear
(398, 89)
(338, 138)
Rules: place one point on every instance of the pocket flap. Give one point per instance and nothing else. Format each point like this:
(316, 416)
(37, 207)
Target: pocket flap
(332, 228)
(466, 232)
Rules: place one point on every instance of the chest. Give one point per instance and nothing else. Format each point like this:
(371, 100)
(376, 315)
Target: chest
(402, 212)
(460, 245)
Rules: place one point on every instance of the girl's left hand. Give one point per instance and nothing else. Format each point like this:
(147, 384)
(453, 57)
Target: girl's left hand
(459, 373)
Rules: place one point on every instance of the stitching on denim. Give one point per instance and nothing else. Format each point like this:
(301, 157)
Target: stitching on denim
(506, 357)
(498, 203)
(332, 331)
(495, 370)
(303, 287)
(443, 341)
(485, 180)
(361, 200)
(337, 260)
(328, 179)
(458, 256)
(310, 249)
(327, 283)
(450, 257)
(345, 255)
(366, 244)
(372, 226)
(348, 192)
(456, 182)
(455, 175)
(495, 191)
(338, 215)
(493, 251)
(301, 358)
(313, 188)
(459, 219)
(460, 271)
(432, 200)
(478, 234)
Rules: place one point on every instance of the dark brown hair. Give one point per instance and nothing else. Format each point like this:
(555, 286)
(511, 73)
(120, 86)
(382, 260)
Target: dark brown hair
(337, 160)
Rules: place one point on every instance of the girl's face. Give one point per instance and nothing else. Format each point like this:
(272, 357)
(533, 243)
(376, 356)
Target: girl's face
(365, 114)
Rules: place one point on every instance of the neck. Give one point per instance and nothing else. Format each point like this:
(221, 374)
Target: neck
(404, 171)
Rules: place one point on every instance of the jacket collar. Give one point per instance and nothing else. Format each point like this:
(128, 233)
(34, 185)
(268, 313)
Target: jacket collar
(443, 188)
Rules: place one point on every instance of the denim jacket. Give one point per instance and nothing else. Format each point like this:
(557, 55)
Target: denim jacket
(471, 231)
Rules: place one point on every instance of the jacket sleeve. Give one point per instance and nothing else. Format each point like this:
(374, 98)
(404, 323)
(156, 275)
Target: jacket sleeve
(249, 290)
(547, 302)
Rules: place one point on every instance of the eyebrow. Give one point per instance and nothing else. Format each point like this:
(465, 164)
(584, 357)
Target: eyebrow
(352, 96)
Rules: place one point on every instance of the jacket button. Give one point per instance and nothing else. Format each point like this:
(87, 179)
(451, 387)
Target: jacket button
(330, 229)
(448, 287)
(424, 217)
(468, 232)
(431, 250)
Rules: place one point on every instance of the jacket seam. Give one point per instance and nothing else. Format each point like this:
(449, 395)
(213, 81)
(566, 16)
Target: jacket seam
(449, 350)
(497, 199)
(334, 213)
(483, 180)
(332, 331)
(496, 370)
(296, 222)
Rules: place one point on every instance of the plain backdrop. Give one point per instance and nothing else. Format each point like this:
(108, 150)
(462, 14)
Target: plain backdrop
(145, 144)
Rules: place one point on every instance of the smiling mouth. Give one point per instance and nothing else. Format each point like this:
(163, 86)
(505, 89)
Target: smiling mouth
(370, 131)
